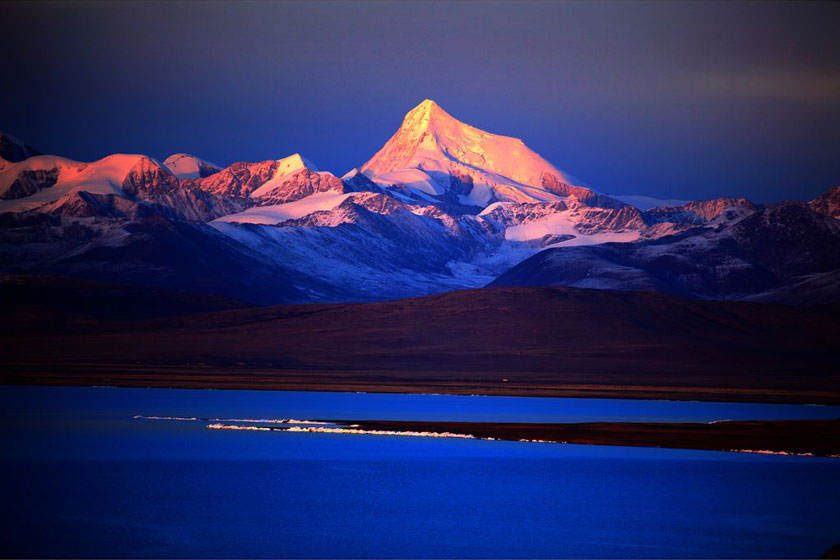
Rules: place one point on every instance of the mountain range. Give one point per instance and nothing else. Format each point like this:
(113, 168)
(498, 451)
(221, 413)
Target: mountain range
(441, 206)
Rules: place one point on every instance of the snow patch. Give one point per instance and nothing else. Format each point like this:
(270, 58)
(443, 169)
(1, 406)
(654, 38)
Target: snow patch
(560, 223)
(279, 213)
(414, 179)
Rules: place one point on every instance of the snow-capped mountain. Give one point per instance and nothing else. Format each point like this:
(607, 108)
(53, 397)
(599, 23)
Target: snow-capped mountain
(769, 250)
(187, 166)
(443, 205)
(47, 183)
(271, 182)
(436, 157)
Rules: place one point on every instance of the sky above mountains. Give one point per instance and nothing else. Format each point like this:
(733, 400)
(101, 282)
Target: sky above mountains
(677, 100)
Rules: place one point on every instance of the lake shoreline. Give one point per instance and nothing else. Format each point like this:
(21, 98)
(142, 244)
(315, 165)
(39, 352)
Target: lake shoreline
(258, 379)
(778, 437)
(784, 437)
(68, 444)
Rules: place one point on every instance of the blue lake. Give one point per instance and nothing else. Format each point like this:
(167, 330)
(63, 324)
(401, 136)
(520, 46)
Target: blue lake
(83, 478)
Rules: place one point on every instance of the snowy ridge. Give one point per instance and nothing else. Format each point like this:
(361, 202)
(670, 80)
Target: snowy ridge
(443, 205)
(43, 179)
(274, 214)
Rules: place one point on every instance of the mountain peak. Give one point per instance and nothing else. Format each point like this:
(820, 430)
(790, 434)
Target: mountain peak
(423, 115)
(188, 166)
(432, 146)
(425, 107)
(294, 163)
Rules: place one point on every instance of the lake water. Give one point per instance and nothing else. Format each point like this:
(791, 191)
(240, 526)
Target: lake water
(83, 478)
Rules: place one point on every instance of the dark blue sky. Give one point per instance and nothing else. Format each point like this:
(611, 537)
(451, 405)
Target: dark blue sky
(689, 100)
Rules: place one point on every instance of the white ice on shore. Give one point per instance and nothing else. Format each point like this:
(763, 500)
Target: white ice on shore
(243, 420)
(769, 452)
(359, 431)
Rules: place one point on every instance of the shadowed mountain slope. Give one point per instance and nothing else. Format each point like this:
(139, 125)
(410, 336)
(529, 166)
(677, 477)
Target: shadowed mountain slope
(786, 252)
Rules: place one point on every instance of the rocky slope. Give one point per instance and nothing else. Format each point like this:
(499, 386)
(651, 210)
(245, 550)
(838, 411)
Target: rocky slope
(779, 250)
(828, 203)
